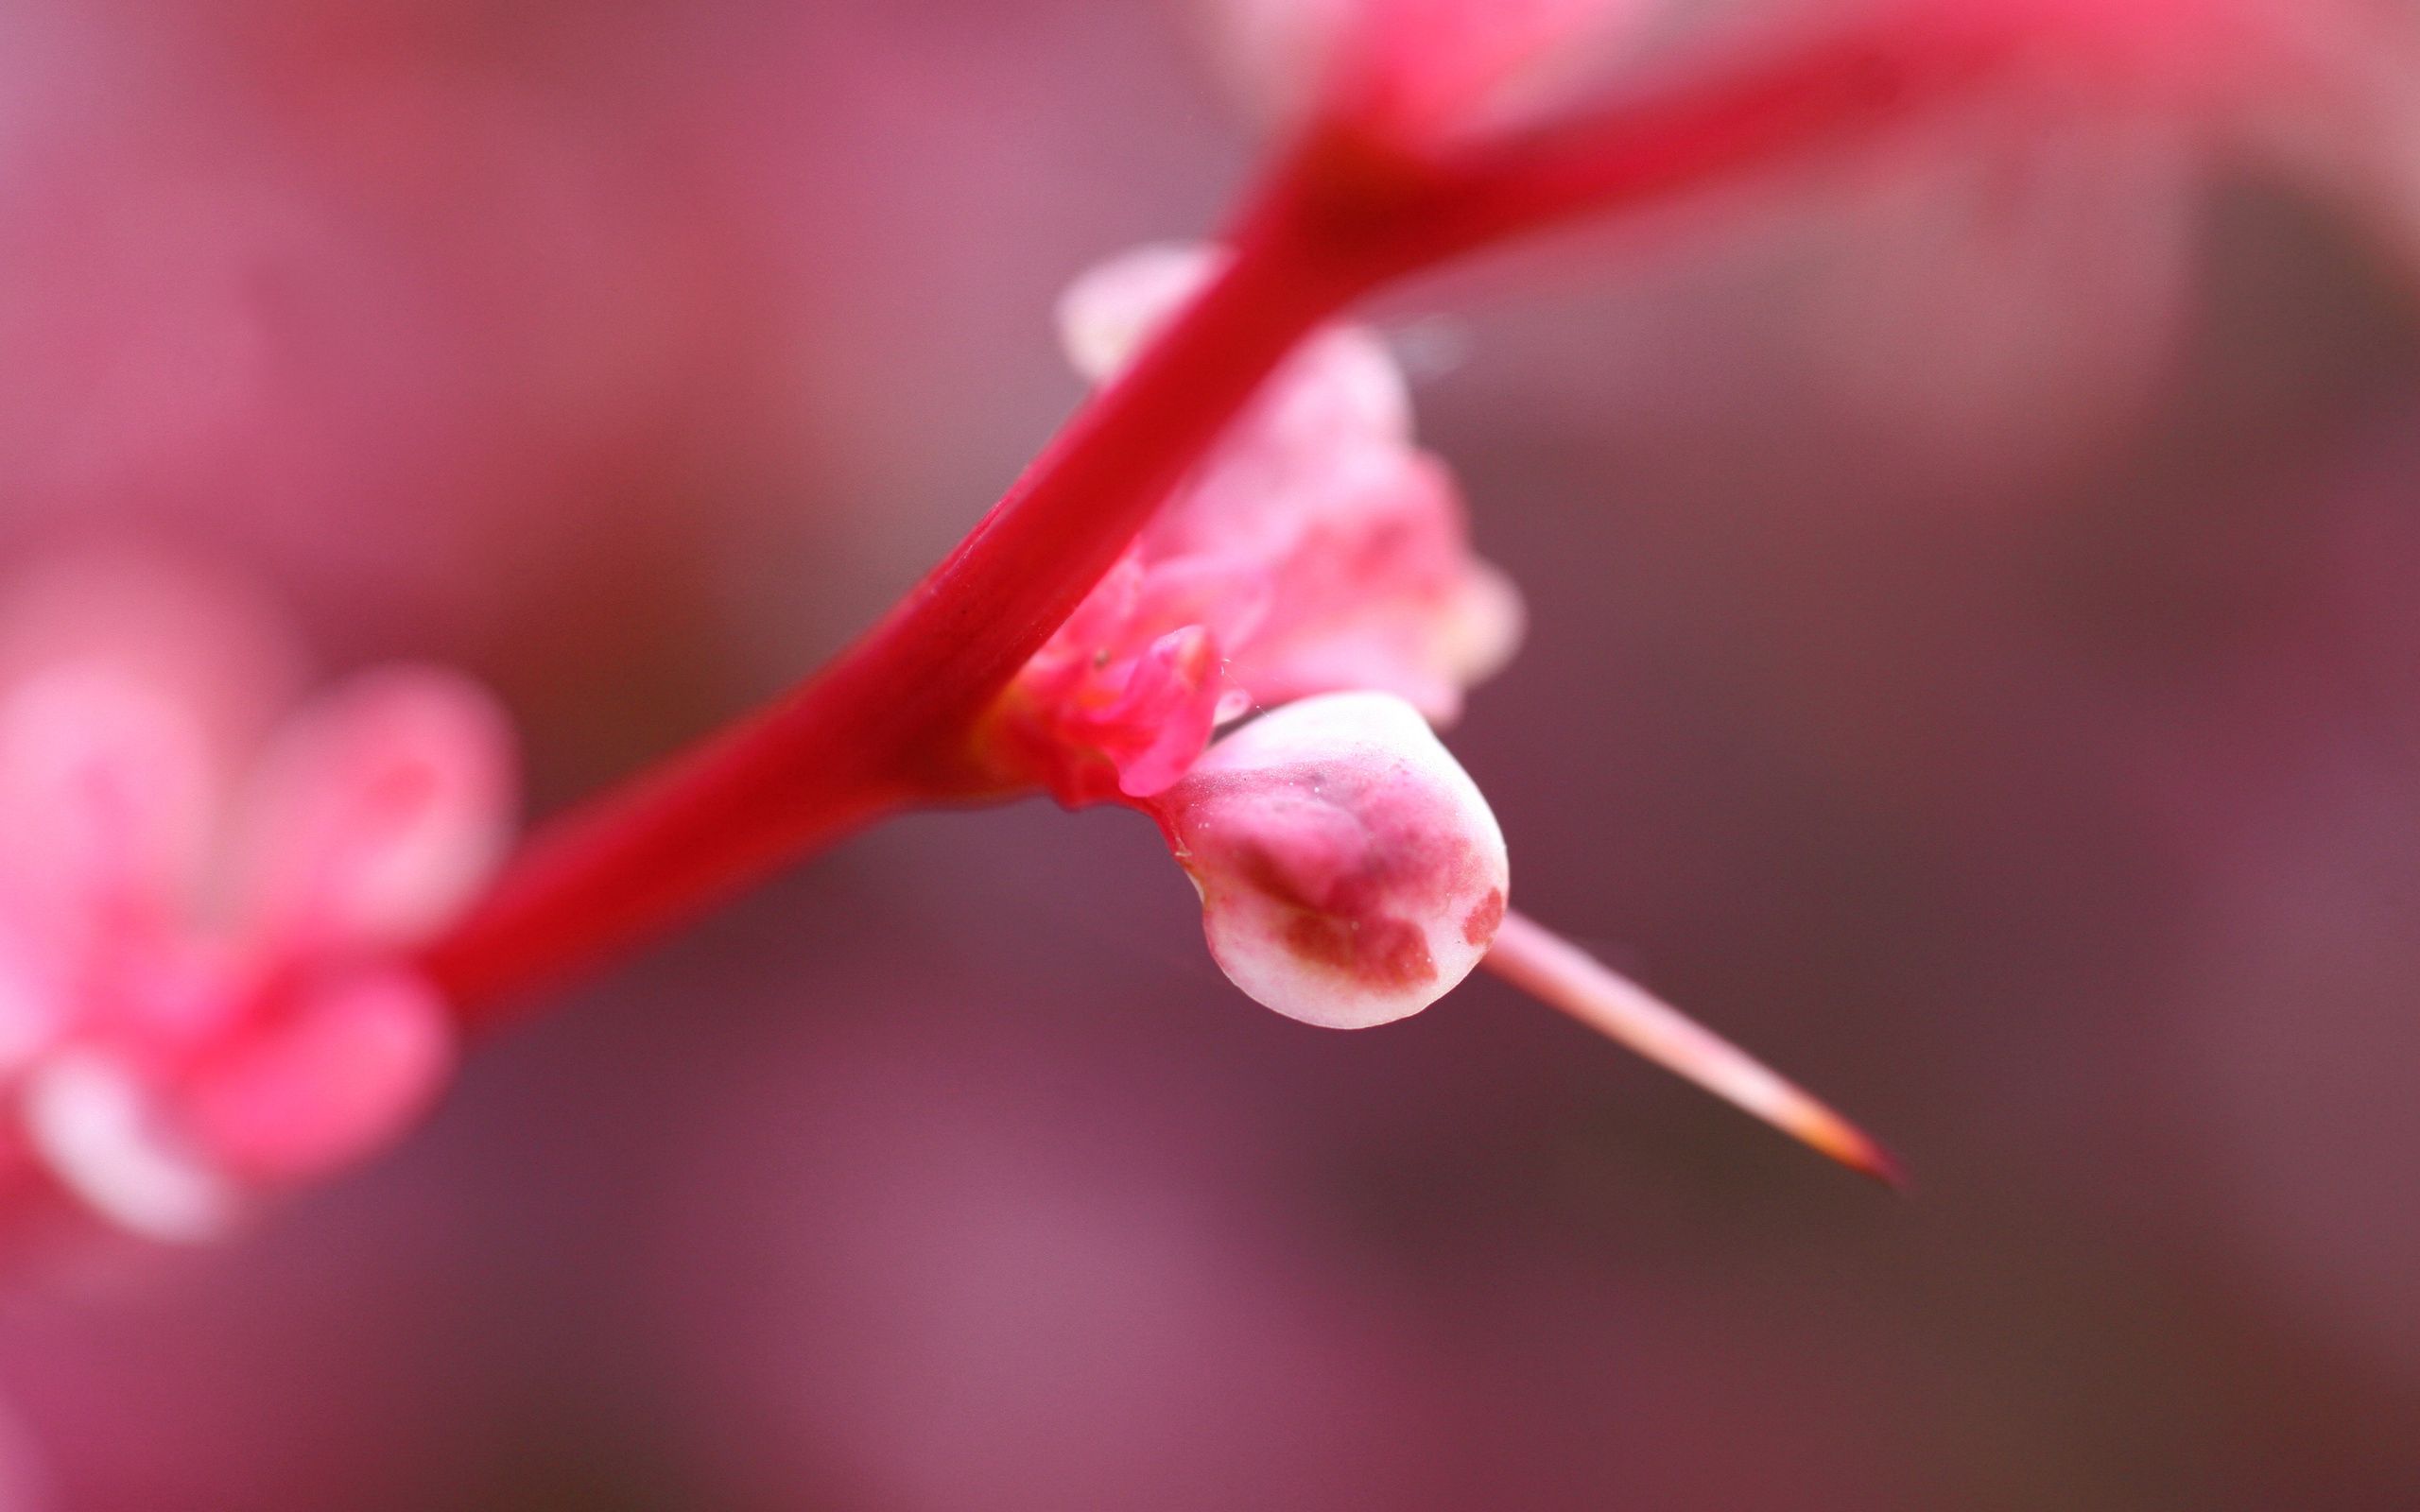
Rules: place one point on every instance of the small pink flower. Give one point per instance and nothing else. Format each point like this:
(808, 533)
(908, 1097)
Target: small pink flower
(205, 984)
(1317, 550)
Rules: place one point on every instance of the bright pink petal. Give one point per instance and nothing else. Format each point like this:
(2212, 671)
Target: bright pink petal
(1314, 550)
(1115, 307)
(1343, 384)
(1156, 729)
(107, 802)
(354, 1066)
(1378, 589)
(380, 808)
(130, 688)
(211, 643)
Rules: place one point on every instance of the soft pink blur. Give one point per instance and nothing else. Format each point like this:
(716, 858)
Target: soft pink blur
(1971, 664)
(207, 919)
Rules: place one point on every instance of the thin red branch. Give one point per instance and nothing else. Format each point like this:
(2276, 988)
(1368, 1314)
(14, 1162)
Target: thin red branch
(861, 738)
(843, 747)
(1768, 111)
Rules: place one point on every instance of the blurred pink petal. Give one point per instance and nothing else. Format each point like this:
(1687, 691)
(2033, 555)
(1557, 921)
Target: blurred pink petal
(1423, 69)
(202, 996)
(377, 809)
(106, 805)
(351, 1066)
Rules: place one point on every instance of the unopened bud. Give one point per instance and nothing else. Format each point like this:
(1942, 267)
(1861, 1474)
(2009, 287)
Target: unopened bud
(1351, 874)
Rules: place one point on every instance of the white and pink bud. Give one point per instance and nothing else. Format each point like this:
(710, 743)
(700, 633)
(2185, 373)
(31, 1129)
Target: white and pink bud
(1350, 871)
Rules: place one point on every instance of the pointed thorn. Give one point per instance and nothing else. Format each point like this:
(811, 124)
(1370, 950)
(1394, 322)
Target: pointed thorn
(1555, 972)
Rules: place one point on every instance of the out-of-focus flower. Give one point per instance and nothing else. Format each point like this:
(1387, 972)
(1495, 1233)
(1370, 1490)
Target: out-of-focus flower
(1414, 70)
(347, 288)
(204, 936)
(2021, 269)
(2008, 274)
(1318, 550)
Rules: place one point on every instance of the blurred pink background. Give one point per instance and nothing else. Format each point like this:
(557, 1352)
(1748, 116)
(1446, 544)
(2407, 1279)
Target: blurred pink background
(2023, 753)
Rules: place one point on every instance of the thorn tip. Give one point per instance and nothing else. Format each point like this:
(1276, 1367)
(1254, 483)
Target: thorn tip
(1556, 971)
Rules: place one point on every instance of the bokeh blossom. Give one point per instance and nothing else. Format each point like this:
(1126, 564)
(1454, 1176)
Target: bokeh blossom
(1316, 566)
(2014, 278)
(1418, 70)
(206, 922)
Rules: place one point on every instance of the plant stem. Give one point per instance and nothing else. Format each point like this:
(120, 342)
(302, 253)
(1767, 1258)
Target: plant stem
(1765, 112)
(844, 748)
(877, 729)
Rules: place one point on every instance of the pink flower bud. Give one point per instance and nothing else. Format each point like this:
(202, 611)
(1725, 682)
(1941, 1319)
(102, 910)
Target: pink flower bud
(1351, 874)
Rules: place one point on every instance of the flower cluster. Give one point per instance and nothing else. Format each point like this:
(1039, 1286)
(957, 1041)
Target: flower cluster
(1316, 551)
(1318, 564)
(204, 934)
(1317, 568)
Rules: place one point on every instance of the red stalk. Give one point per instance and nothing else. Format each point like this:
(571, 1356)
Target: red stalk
(869, 733)
(844, 748)
(1650, 150)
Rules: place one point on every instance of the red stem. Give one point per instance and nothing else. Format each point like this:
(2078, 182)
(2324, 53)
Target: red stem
(861, 739)
(1814, 98)
(843, 747)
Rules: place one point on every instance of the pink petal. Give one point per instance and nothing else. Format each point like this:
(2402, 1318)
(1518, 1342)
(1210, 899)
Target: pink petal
(1351, 874)
(1112, 308)
(380, 809)
(354, 1066)
(107, 802)
(104, 1133)
(1170, 706)
(212, 644)
(1228, 596)
(1378, 591)
(1343, 383)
